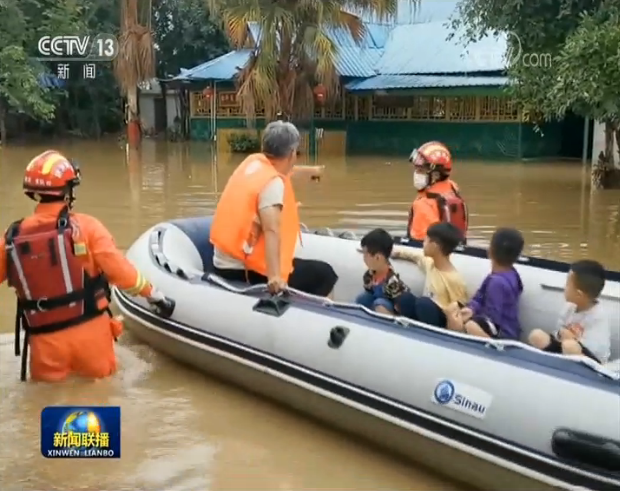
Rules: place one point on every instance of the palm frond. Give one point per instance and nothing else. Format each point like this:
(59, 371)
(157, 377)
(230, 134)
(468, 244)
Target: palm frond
(294, 51)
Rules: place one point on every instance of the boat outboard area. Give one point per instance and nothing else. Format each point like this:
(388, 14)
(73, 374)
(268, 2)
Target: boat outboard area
(488, 412)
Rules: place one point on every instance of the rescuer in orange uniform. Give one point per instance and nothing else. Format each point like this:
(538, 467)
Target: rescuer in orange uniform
(256, 225)
(59, 263)
(438, 197)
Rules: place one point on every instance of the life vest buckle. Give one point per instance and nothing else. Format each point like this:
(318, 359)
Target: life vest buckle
(39, 301)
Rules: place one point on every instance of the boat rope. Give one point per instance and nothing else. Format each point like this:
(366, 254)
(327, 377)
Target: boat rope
(498, 344)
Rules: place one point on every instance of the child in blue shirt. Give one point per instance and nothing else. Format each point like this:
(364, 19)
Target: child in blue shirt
(382, 284)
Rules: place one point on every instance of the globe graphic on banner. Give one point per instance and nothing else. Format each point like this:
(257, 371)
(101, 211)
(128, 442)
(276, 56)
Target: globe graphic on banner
(81, 422)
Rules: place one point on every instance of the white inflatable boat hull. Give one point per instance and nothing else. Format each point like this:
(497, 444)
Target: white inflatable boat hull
(490, 413)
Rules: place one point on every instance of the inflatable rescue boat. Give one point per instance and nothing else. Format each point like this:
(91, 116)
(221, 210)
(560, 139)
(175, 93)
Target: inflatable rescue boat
(494, 414)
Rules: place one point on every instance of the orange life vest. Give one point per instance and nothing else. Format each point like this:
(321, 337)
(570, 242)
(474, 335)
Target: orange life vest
(451, 207)
(234, 230)
(53, 290)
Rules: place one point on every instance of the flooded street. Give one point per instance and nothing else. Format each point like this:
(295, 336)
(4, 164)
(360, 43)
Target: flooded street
(185, 432)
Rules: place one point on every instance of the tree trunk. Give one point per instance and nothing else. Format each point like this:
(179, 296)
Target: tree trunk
(3, 135)
(617, 166)
(605, 174)
(133, 118)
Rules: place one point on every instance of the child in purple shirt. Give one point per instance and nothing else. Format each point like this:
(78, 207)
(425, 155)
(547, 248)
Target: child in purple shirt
(494, 310)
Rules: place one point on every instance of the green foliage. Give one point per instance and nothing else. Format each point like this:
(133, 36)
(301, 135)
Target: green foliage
(88, 107)
(582, 38)
(587, 68)
(185, 36)
(20, 89)
(243, 143)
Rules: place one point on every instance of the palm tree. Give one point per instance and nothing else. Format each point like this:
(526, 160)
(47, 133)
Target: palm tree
(135, 62)
(294, 53)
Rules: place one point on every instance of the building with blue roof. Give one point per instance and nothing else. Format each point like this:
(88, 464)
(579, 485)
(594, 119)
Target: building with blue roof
(405, 82)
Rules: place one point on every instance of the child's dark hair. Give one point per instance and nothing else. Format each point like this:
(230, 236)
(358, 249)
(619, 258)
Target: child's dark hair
(506, 246)
(589, 277)
(446, 236)
(378, 241)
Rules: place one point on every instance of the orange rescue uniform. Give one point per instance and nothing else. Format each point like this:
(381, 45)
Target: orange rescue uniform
(43, 263)
(437, 203)
(235, 231)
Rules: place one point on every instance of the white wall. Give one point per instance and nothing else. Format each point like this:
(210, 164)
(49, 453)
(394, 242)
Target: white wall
(147, 109)
(598, 143)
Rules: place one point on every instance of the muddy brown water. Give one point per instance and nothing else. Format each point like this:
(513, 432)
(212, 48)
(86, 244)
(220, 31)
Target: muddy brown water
(185, 432)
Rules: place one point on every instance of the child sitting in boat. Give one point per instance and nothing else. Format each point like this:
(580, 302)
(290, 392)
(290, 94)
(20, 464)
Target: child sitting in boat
(494, 310)
(382, 284)
(443, 284)
(583, 327)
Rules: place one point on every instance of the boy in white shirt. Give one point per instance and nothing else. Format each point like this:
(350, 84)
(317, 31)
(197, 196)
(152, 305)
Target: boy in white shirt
(583, 326)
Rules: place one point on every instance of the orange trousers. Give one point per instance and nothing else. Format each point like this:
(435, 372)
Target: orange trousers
(86, 350)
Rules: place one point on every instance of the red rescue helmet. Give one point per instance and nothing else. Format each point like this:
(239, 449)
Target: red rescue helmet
(432, 155)
(51, 174)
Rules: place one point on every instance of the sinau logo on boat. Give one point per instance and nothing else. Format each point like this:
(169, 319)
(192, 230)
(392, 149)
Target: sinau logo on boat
(462, 398)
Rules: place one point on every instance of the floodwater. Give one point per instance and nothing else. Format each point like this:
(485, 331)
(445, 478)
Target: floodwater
(185, 432)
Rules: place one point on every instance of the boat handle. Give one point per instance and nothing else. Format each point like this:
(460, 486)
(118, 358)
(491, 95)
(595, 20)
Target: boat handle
(553, 288)
(337, 335)
(585, 448)
(274, 305)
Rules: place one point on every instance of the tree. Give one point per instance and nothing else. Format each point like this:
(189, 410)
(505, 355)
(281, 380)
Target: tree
(182, 29)
(135, 62)
(581, 38)
(185, 36)
(588, 82)
(293, 53)
(20, 87)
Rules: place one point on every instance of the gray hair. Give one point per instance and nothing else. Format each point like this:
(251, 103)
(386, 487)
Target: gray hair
(280, 139)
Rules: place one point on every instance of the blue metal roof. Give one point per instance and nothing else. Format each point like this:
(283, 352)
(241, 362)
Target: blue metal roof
(350, 62)
(375, 35)
(224, 67)
(379, 34)
(425, 49)
(357, 62)
(412, 49)
(342, 37)
(406, 13)
(392, 82)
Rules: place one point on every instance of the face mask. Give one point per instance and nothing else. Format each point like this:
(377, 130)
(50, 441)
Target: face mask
(420, 181)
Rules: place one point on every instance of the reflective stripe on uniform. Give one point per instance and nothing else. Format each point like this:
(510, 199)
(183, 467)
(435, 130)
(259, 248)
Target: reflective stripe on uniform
(20, 272)
(448, 216)
(64, 265)
(141, 282)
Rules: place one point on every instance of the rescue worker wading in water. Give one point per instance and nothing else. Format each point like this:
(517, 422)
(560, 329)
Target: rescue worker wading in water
(59, 263)
(438, 197)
